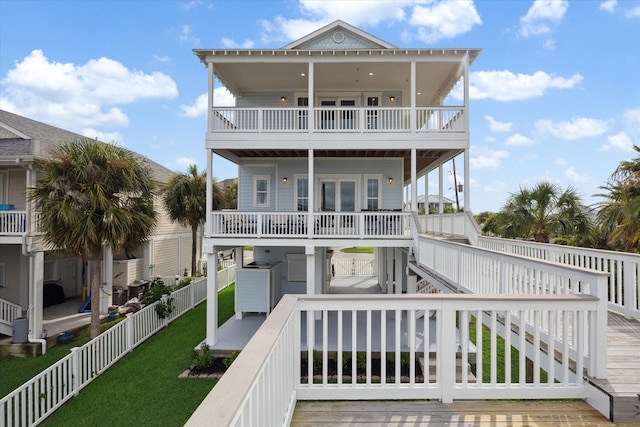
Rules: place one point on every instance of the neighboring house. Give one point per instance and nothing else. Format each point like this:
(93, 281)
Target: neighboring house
(327, 133)
(25, 265)
(434, 202)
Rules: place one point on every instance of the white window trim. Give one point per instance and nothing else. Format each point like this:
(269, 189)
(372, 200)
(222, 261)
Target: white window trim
(339, 178)
(296, 177)
(366, 192)
(257, 178)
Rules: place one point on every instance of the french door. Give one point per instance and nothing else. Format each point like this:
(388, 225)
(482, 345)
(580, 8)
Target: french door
(338, 195)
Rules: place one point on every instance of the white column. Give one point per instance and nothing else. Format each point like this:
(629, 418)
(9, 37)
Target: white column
(311, 195)
(440, 190)
(211, 87)
(412, 115)
(412, 280)
(35, 294)
(311, 119)
(311, 290)
(465, 62)
(397, 256)
(414, 182)
(467, 184)
(426, 193)
(212, 299)
(389, 254)
(107, 280)
(209, 199)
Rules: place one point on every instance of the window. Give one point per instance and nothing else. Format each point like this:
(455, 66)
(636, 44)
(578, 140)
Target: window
(373, 193)
(302, 194)
(261, 184)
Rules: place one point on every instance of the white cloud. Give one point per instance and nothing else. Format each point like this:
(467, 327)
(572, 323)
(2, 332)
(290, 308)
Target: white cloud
(609, 5)
(487, 159)
(221, 98)
(232, 44)
(186, 36)
(517, 140)
(621, 141)
(507, 86)
(428, 21)
(184, 162)
(496, 126)
(561, 162)
(633, 13)
(632, 119)
(159, 58)
(578, 128)
(549, 45)
(541, 15)
(444, 19)
(574, 176)
(76, 96)
(111, 137)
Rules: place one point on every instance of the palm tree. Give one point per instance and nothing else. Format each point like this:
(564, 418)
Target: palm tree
(91, 194)
(542, 212)
(185, 197)
(619, 214)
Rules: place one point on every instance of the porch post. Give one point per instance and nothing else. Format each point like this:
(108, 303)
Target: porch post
(36, 294)
(311, 120)
(467, 186)
(412, 115)
(414, 182)
(440, 190)
(310, 195)
(211, 80)
(310, 252)
(212, 298)
(398, 273)
(426, 193)
(209, 198)
(389, 254)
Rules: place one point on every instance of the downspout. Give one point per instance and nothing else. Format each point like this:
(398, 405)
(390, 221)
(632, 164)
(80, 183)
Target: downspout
(32, 283)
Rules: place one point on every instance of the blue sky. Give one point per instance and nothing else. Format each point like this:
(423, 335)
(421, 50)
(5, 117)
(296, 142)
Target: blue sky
(555, 94)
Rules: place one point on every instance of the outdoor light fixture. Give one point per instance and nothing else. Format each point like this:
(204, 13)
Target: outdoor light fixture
(285, 180)
(392, 99)
(390, 180)
(283, 99)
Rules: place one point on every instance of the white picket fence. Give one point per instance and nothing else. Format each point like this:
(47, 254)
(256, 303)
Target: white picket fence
(39, 397)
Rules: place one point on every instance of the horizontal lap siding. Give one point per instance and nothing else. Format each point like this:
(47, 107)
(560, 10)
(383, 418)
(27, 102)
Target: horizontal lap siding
(17, 189)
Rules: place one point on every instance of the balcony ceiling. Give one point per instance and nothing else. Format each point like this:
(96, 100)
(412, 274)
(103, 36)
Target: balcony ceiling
(434, 79)
(425, 159)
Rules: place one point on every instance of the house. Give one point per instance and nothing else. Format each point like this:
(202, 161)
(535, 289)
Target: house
(434, 202)
(328, 132)
(28, 272)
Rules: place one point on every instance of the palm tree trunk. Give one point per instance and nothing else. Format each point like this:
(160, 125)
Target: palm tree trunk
(95, 296)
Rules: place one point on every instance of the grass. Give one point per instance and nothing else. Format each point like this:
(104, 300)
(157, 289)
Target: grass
(15, 371)
(143, 387)
(358, 250)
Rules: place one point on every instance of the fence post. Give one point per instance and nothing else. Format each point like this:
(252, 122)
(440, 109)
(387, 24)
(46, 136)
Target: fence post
(191, 295)
(598, 329)
(446, 353)
(629, 286)
(129, 331)
(75, 368)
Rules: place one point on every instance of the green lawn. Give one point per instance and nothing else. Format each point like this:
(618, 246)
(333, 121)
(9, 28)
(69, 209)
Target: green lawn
(358, 250)
(143, 387)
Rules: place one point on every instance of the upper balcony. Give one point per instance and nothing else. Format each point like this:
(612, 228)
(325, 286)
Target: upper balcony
(338, 119)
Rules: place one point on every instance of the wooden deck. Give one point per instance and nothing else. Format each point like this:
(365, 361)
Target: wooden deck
(623, 367)
(427, 413)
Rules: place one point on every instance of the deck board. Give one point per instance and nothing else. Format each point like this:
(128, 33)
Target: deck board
(427, 413)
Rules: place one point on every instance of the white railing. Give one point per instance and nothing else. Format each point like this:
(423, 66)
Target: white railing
(337, 119)
(270, 375)
(13, 222)
(451, 224)
(9, 311)
(353, 267)
(35, 400)
(357, 225)
(623, 268)
(226, 276)
(486, 272)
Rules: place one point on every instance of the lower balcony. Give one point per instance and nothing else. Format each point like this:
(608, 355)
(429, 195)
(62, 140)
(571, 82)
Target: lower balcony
(357, 225)
(12, 223)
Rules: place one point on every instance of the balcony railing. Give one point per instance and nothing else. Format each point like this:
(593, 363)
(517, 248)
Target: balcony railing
(357, 225)
(12, 223)
(338, 119)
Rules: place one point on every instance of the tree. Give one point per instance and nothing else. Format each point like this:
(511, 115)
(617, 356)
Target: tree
(185, 197)
(90, 195)
(619, 215)
(231, 194)
(542, 212)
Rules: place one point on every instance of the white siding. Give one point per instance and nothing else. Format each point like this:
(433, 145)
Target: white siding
(166, 257)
